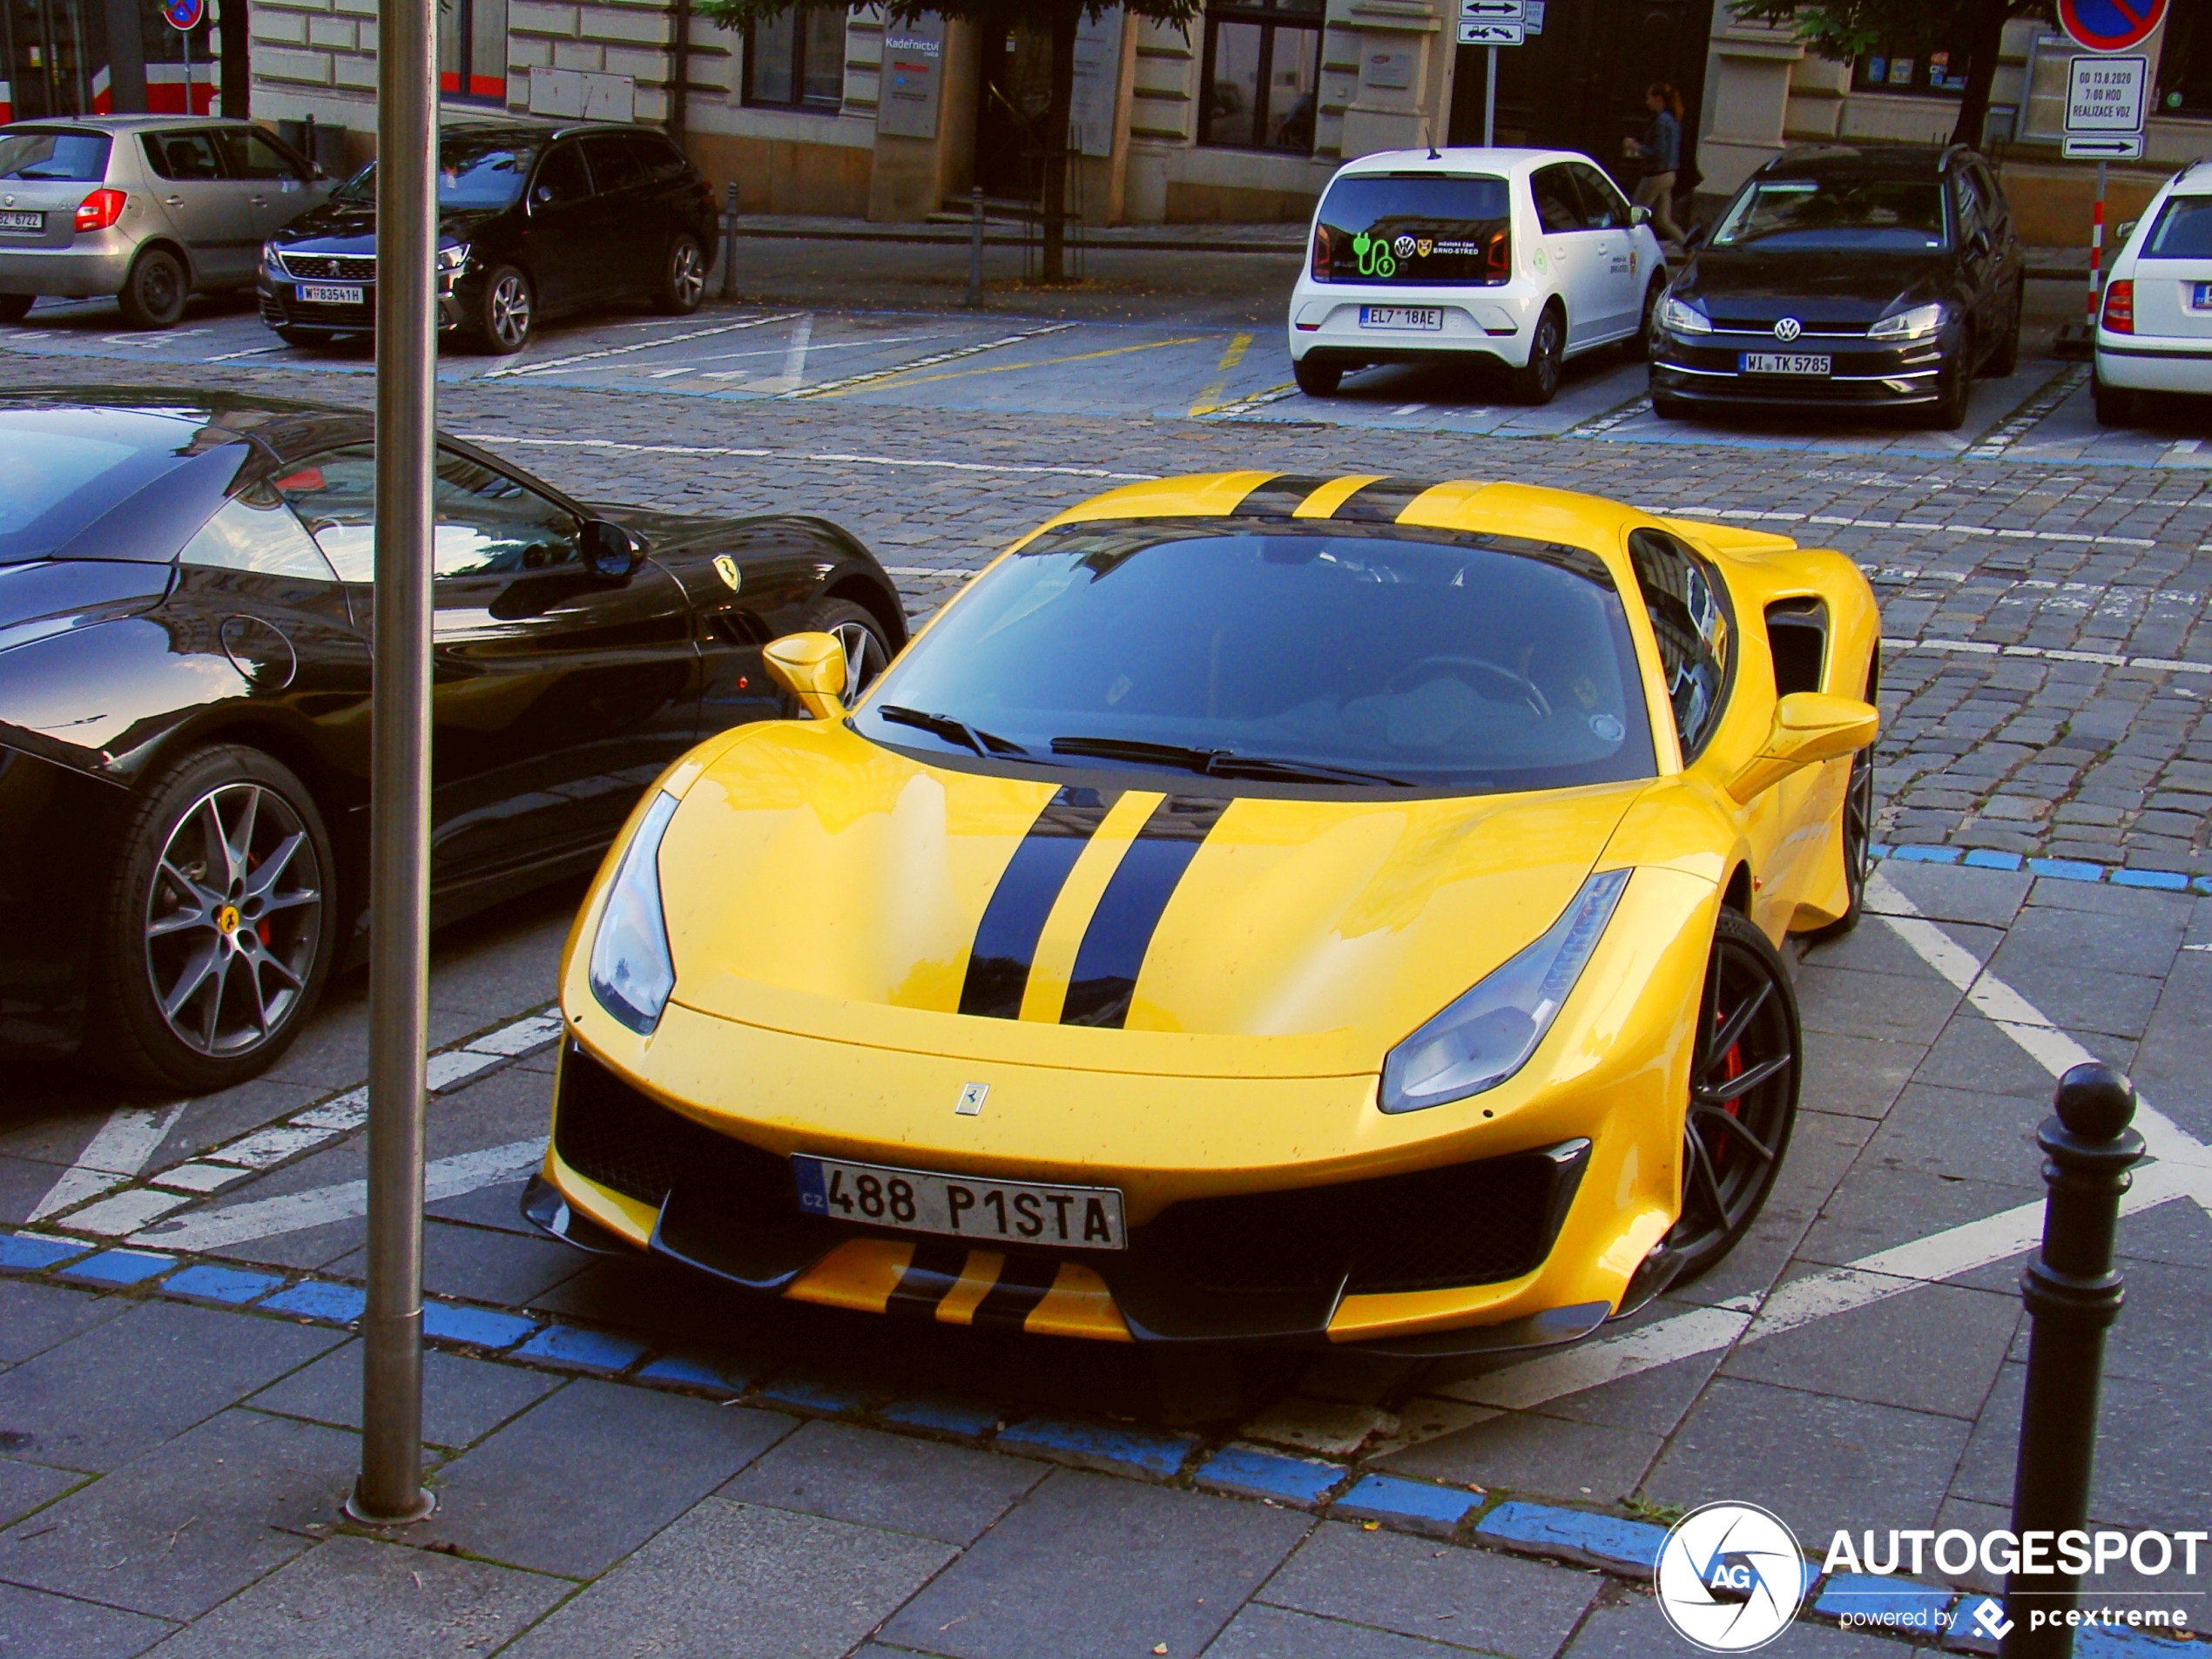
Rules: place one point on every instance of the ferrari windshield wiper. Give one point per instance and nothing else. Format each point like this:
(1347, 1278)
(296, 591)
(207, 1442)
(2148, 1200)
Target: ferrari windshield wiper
(1218, 763)
(945, 726)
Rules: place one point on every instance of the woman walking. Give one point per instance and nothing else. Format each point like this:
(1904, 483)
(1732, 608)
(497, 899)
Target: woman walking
(1661, 153)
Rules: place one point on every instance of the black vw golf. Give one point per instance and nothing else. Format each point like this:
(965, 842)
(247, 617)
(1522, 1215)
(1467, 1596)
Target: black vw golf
(1873, 276)
(185, 607)
(534, 219)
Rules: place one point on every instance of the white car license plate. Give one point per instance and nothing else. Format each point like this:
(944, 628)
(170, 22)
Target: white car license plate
(990, 1212)
(1427, 317)
(1784, 362)
(2200, 296)
(321, 294)
(23, 221)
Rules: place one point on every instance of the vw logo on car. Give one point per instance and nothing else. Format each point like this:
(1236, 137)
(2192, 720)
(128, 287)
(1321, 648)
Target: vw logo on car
(1787, 329)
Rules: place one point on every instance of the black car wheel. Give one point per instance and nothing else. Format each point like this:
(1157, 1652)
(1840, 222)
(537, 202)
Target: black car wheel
(303, 337)
(1859, 840)
(153, 294)
(2115, 405)
(1744, 1078)
(1645, 341)
(683, 281)
(15, 306)
(1954, 384)
(1668, 407)
(506, 311)
(2005, 358)
(1316, 380)
(867, 653)
(218, 926)
(1538, 381)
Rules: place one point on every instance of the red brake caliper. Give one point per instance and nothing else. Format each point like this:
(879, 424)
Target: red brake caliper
(1731, 1066)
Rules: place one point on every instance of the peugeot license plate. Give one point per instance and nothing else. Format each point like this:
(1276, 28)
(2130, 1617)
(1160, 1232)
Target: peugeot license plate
(21, 221)
(1784, 362)
(990, 1212)
(321, 294)
(2200, 296)
(1425, 317)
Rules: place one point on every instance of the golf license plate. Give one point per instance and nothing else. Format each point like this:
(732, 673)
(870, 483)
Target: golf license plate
(2200, 296)
(21, 221)
(333, 294)
(1426, 317)
(1784, 362)
(959, 1206)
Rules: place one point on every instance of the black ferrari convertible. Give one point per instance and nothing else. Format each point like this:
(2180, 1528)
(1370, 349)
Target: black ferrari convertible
(184, 617)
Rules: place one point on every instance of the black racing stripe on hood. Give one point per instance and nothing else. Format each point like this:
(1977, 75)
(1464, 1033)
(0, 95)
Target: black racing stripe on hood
(1279, 496)
(1120, 929)
(1006, 939)
(1381, 502)
(931, 1273)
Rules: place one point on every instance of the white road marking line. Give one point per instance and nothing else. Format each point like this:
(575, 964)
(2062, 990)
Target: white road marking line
(1834, 522)
(201, 1178)
(227, 356)
(117, 1150)
(444, 1070)
(2184, 1169)
(124, 1213)
(518, 1038)
(707, 450)
(872, 461)
(346, 1112)
(817, 347)
(794, 373)
(1245, 405)
(1989, 648)
(928, 570)
(267, 1148)
(261, 1218)
(986, 466)
(634, 345)
(930, 361)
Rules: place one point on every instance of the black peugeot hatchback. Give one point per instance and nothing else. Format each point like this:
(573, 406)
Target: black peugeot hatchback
(534, 219)
(1871, 275)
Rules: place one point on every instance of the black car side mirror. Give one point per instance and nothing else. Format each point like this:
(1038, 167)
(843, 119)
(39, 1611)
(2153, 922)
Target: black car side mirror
(1694, 237)
(609, 550)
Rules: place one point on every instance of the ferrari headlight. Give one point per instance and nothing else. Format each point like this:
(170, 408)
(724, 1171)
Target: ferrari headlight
(631, 971)
(1916, 324)
(1488, 1033)
(1680, 317)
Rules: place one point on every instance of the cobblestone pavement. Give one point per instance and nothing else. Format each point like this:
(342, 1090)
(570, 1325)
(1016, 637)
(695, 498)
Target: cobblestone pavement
(628, 1459)
(2044, 587)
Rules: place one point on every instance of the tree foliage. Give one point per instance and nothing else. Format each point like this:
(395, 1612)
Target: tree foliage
(1059, 18)
(1847, 29)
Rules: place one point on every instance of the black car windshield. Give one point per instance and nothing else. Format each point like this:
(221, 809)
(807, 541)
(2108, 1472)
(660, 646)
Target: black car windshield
(61, 469)
(472, 172)
(1835, 215)
(1413, 228)
(1465, 664)
(2183, 230)
(59, 157)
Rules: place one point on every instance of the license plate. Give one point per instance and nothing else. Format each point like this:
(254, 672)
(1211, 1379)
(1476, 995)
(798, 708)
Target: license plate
(2200, 296)
(322, 293)
(1429, 317)
(23, 221)
(1784, 362)
(990, 1212)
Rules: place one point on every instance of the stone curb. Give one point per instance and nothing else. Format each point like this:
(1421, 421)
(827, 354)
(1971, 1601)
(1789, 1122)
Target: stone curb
(1982, 858)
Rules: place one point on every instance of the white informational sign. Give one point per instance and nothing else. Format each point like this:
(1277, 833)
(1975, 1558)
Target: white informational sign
(1492, 34)
(1492, 10)
(2105, 95)
(1098, 84)
(1533, 19)
(913, 78)
(2088, 146)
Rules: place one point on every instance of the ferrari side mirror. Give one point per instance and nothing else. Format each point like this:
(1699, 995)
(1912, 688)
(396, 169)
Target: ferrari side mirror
(811, 668)
(609, 549)
(1808, 727)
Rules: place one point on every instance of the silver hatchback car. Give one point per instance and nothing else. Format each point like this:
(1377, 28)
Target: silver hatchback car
(150, 208)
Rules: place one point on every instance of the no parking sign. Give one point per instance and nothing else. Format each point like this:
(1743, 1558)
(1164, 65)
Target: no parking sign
(2107, 25)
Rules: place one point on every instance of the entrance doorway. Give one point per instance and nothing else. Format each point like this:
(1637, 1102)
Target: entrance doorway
(1580, 84)
(1013, 92)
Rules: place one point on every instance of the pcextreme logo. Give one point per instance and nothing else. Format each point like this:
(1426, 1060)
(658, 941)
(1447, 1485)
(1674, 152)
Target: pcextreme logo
(1730, 1578)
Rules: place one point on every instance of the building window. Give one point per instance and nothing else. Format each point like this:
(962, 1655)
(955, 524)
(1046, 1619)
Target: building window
(472, 50)
(1263, 74)
(795, 60)
(1936, 71)
(2185, 63)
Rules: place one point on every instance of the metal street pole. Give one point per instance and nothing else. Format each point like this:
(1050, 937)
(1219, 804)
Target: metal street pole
(390, 1489)
(1490, 100)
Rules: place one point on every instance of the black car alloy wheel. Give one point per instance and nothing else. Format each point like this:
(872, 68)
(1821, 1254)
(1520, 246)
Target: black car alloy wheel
(866, 653)
(1743, 1079)
(219, 926)
(1858, 841)
(509, 307)
(1538, 381)
(683, 280)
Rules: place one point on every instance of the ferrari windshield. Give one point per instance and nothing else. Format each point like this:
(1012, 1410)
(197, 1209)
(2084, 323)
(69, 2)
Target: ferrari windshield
(1388, 660)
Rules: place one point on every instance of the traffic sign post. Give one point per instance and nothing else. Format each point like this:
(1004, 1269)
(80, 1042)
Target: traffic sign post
(1495, 24)
(2110, 25)
(2104, 122)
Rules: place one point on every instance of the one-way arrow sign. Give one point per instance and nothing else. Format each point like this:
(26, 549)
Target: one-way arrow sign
(1492, 10)
(1492, 34)
(2117, 146)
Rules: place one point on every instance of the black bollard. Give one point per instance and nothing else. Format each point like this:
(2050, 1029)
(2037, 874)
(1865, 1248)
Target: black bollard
(2073, 1296)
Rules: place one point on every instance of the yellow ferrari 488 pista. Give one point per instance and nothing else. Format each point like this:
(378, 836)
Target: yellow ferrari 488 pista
(1258, 908)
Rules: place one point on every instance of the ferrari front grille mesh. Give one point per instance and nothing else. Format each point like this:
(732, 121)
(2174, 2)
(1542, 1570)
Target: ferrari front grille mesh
(607, 1132)
(1472, 1223)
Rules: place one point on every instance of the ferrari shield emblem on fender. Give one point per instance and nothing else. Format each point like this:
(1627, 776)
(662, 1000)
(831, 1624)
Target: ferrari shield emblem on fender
(971, 1099)
(727, 568)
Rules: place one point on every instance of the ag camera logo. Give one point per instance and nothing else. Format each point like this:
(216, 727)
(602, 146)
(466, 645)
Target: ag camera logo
(1731, 1577)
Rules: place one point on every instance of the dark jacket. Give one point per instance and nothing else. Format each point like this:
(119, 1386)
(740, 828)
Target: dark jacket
(1662, 147)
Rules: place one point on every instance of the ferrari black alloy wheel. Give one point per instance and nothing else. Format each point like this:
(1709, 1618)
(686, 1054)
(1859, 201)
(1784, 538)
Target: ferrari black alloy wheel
(1743, 1079)
(867, 653)
(1859, 840)
(218, 926)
